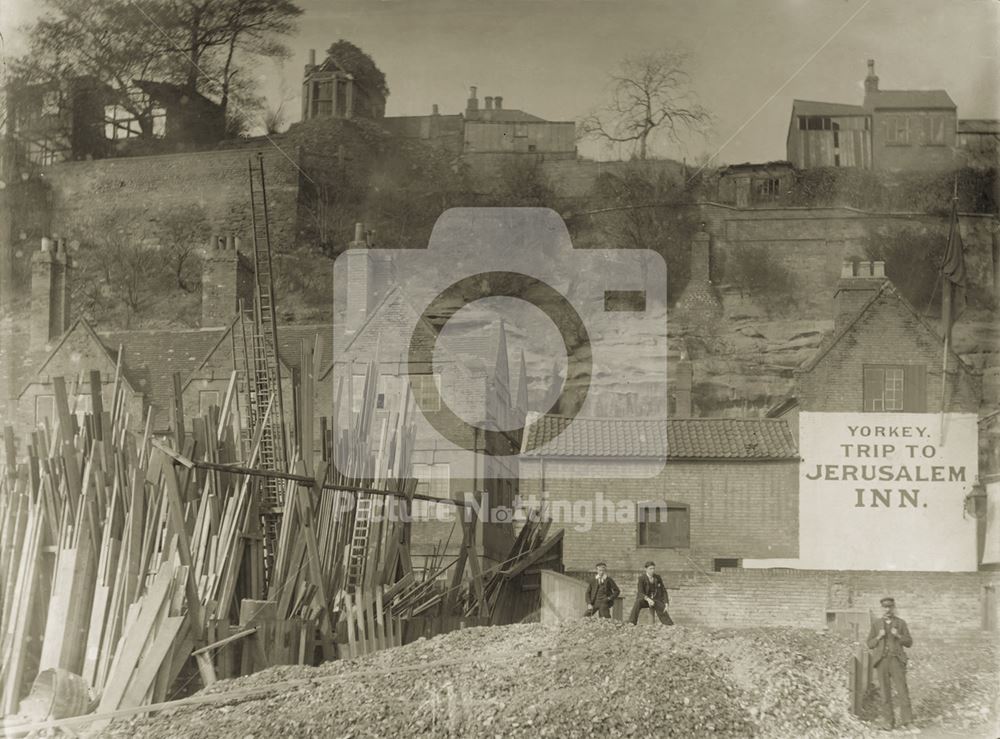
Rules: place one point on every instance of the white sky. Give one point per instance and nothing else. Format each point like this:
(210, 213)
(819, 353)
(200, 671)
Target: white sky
(552, 57)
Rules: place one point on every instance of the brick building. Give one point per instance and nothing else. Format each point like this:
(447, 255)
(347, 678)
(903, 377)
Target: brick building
(59, 346)
(726, 490)
(889, 440)
(330, 91)
(892, 130)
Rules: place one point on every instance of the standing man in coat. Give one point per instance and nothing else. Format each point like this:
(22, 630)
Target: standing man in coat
(886, 640)
(650, 592)
(601, 593)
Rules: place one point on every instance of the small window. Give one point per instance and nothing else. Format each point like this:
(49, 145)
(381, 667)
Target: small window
(767, 188)
(836, 160)
(45, 410)
(81, 406)
(357, 392)
(433, 479)
(532, 147)
(427, 391)
(664, 525)
(936, 130)
(51, 102)
(726, 563)
(207, 399)
(897, 130)
(890, 388)
(836, 136)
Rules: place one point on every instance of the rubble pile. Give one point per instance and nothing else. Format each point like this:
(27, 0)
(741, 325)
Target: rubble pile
(583, 678)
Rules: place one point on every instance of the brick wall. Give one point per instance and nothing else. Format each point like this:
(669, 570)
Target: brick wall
(939, 603)
(886, 334)
(917, 154)
(737, 509)
(137, 192)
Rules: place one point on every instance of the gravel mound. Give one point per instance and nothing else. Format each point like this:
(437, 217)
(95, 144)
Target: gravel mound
(579, 679)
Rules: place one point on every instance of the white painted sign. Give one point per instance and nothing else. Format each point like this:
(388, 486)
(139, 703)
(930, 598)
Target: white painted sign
(885, 491)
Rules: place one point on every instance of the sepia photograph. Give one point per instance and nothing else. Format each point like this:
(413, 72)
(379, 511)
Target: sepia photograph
(540, 368)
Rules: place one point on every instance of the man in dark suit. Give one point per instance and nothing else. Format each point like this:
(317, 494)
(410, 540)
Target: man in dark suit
(601, 593)
(886, 640)
(650, 592)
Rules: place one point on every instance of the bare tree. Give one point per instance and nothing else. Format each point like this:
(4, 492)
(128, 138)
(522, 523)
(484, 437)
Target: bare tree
(650, 96)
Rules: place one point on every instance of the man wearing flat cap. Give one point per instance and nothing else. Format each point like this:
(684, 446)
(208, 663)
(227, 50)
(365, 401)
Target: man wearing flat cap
(650, 592)
(601, 592)
(886, 640)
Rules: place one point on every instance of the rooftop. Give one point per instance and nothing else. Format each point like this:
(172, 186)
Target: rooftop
(684, 438)
(938, 99)
(813, 107)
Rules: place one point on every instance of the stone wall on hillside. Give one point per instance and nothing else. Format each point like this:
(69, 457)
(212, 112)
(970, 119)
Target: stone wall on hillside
(812, 244)
(137, 192)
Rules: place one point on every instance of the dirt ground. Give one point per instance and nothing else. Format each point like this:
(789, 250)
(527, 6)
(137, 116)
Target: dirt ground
(593, 678)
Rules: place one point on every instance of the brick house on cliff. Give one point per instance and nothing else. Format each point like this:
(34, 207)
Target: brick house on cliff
(730, 488)
(892, 130)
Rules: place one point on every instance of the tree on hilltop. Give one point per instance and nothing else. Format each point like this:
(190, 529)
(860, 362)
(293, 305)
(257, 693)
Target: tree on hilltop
(651, 98)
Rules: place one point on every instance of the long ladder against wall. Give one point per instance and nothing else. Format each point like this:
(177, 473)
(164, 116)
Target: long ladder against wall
(256, 356)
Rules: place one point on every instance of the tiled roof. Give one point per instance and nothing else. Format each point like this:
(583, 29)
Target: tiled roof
(150, 357)
(813, 107)
(684, 438)
(909, 99)
(978, 125)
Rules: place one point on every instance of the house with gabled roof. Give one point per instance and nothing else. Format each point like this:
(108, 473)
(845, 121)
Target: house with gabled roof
(888, 430)
(725, 491)
(467, 389)
(892, 130)
(147, 360)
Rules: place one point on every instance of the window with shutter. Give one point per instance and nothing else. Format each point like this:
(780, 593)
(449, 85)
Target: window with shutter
(664, 525)
(888, 387)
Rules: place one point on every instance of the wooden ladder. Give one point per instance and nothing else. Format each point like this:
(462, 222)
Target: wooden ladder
(359, 543)
(258, 358)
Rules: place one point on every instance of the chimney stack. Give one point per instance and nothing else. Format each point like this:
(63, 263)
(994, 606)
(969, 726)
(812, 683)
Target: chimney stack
(700, 256)
(434, 109)
(871, 81)
(856, 287)
(683, 375)
(498, 102)
(50, 290)
(472, 104)
(489, 103)
(226, 279)
(360, 298)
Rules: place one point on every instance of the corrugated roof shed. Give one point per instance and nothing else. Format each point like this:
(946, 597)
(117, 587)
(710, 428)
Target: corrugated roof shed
(813, 107)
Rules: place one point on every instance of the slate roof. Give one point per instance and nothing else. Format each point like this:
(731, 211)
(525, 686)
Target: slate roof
(979, 125)
(813, 107)
(685, 438)
(150, 357)
(882, 99)
(887, 290)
